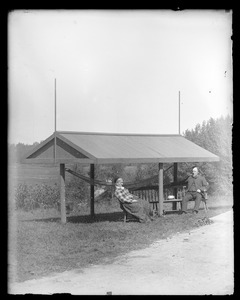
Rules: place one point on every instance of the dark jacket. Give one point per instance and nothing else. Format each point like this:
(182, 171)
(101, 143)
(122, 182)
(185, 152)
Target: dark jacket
(196, 183)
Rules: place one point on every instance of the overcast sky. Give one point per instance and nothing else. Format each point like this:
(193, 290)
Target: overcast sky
(117, 71)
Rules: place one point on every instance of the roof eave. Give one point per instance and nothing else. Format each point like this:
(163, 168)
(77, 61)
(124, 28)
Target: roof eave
(156, 160)
(57, 161)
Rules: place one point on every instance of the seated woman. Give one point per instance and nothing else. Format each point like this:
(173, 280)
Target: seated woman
(135, 206)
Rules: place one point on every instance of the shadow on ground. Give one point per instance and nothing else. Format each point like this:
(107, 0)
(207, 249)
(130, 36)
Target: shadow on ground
(104, 217)
(99, 217)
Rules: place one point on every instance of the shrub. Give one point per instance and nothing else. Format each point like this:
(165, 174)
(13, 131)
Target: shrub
(21, 194)
(29, 197)
(77, 192)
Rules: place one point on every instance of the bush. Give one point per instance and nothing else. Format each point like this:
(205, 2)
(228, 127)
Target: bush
(29, 197)
(21, 195)
(77, 192)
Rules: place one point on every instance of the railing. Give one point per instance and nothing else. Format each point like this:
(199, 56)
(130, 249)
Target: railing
(151, 194)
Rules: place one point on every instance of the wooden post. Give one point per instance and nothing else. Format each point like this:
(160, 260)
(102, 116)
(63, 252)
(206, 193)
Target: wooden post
(179, 113)
(175, 169)
(55, 121)
(55, 106)
(62, 193)
(160, 189)
(92, 191)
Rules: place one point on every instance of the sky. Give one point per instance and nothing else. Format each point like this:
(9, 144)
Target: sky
(117, 71)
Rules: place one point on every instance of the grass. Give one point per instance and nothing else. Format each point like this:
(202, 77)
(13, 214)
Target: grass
(33, 174)
(40, 245)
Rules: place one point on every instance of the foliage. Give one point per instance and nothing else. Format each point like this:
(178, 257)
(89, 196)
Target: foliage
(144, 171)
(216, 137)
(28, 197)
(77, 190)
(110, 171)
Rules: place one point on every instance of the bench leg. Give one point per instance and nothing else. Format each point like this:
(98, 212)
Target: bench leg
(205, 205)
(179, 205)
(124, 216)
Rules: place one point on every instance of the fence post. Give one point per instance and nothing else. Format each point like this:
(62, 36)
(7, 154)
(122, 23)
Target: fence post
(160, 189)
(92, 191)
(175, 170)
(62, 193)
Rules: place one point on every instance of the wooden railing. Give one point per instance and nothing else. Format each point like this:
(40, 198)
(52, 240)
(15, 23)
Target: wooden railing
(150, 193)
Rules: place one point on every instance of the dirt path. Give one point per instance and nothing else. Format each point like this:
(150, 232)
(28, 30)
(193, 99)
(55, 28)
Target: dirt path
(195, 263)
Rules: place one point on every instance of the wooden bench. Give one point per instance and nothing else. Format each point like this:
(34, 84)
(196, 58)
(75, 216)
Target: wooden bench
(151, 195)
(179, 201)
(178, 204)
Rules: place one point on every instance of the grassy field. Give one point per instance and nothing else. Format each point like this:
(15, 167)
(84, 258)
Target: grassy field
(40, 245)
(33, 174)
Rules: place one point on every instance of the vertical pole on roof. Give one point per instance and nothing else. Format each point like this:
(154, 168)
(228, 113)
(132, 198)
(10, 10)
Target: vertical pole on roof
(92, 191)
(160, 189)
(62, 193)
(175, 169)
(55, 119)
(179, 113)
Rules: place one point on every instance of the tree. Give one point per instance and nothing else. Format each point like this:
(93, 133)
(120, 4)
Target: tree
(216, 137)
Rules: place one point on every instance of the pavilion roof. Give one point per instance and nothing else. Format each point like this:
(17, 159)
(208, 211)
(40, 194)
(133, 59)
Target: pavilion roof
(104, 148)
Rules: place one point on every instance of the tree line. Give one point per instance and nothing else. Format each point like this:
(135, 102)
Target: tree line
(17, 151)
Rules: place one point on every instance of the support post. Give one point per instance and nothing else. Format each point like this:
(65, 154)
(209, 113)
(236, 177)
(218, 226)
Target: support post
(92, 191)
(62, 193)
(55, 121)
(160, 189)
(179, 113)
(175, 170)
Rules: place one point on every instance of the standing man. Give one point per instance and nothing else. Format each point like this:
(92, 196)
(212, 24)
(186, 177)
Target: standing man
(197, 185)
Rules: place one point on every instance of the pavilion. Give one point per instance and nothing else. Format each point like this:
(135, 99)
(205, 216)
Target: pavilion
(68, 147)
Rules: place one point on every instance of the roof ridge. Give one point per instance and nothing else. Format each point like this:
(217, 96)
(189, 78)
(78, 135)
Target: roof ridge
(117, 134)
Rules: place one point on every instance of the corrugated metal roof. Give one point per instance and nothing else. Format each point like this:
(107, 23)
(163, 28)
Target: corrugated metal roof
(125, 148)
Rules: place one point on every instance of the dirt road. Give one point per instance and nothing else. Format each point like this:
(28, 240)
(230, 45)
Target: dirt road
(199, 262)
